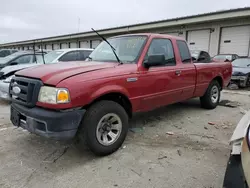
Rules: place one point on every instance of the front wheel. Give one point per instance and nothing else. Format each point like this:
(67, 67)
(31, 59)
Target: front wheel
(211, 98)
(105, 126)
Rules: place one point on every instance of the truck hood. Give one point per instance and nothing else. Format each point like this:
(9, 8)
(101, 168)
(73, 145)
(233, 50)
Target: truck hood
(239, 71)
(52, 74)
(14, 68)
(241, 129)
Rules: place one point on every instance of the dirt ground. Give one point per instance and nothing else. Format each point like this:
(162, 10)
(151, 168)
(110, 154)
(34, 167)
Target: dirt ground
(195, 156)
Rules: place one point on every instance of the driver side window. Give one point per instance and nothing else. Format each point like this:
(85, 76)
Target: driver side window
(162, 47)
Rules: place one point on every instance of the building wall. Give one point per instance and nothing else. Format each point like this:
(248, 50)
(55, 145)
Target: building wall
(180, 30)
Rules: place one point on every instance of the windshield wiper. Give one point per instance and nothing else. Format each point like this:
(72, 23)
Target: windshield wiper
(113, 49)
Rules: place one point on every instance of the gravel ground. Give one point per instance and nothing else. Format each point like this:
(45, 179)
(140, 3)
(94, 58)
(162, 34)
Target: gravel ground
(180, 145)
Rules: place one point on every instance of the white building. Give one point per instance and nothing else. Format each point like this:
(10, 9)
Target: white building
(217, 32)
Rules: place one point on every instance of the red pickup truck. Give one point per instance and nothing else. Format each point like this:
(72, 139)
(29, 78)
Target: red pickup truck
(93, 100)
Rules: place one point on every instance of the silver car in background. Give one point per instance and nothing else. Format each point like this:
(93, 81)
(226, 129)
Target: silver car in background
(62, 55)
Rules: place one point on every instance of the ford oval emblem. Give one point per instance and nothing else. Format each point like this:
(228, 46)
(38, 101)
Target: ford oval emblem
(16, 90)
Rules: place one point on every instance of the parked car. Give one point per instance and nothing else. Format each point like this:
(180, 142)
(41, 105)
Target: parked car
(21, 57)
(225, 57)
(69, 54)
(8, 72)
(95, 99)
(241, 72)
(6, 52)
(200, 56)
(237, 171)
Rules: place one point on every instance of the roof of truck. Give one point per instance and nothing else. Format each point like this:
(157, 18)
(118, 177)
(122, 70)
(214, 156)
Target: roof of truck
(151, 34)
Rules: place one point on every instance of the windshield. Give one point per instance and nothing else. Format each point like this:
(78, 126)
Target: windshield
(10, 57)
(128, 49)
(49, 57)
(223, 57)
(241, 63)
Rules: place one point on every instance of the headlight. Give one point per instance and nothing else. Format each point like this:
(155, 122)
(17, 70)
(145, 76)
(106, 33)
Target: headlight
(8, 79)
(53, 95)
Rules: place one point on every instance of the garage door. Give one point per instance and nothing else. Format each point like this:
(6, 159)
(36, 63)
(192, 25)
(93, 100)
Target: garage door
(235, 40)
(48, 46)
(84, 44)
(56, 46)
(64, 45)
(73, 45)
(199, 40)
(95, 43)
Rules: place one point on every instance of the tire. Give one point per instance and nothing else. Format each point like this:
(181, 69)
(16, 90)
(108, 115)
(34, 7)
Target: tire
(234, 175)
(206, 100)
(91, 128)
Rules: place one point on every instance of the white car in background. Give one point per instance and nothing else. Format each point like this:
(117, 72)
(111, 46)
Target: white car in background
(62, 55)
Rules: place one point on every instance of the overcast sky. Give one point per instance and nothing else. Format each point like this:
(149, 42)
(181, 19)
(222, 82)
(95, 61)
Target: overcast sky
(29, 19)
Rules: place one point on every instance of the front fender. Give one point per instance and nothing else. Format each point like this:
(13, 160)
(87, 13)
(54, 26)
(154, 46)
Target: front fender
(109, 89)
(239, 133)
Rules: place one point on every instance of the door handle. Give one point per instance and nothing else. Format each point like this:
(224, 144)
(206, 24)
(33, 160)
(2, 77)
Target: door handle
(178, 72)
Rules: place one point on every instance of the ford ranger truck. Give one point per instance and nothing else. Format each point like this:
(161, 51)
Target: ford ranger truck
(93, 100)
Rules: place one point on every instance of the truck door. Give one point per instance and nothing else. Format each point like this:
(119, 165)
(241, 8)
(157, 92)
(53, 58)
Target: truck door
(159, 83)
(185, 71)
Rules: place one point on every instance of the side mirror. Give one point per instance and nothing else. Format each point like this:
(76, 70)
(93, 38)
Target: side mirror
(194, 59)
(13, 63)
(154, 60)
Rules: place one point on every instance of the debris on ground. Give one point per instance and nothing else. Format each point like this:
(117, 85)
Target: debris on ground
(233, 86)
(3, 129)
(177, 126)
(124, 147)
(228, 103)
(179, 152)
(243, 111)
(211, 123)
(205, 128)
(136, 129)
(169, 133)
(225, 127)
(163, 157)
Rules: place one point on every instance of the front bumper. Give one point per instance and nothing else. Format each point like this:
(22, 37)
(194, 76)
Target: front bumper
(4, 90)
(58, 125)
(241, 80)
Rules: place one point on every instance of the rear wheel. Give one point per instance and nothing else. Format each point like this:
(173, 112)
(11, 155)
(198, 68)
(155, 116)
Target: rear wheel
(104, 128)
(211, 98)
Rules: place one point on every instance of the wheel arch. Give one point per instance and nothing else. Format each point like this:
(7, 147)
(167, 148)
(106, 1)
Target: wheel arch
(219, 80)
(116, 96)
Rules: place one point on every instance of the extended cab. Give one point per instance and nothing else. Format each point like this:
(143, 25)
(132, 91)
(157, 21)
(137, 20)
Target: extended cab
(94, 99)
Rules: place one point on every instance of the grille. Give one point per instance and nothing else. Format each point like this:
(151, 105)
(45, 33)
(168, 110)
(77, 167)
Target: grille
(25, 91)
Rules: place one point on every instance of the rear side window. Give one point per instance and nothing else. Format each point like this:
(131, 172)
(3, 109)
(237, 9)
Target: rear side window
(24, 59)
(4, 53)
(184, 51)
(84, 54)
